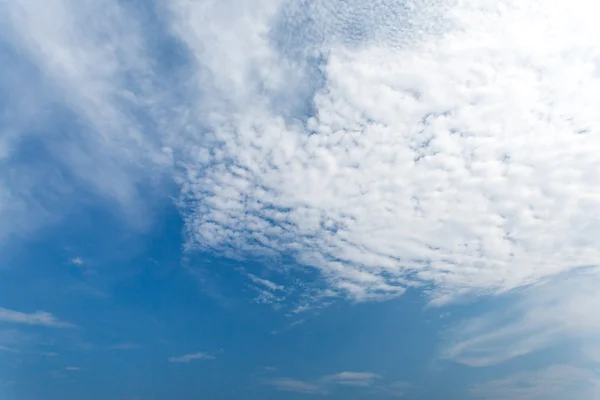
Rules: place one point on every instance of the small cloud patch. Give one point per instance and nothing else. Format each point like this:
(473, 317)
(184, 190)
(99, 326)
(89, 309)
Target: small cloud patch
(363, 379)
(295, 385)
(77, 261)
(191, 357)
(40, 318)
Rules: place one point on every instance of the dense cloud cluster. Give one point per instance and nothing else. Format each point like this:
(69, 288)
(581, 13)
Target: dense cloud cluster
(462, 156)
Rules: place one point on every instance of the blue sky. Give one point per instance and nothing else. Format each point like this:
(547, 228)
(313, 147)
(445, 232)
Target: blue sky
(281, 199)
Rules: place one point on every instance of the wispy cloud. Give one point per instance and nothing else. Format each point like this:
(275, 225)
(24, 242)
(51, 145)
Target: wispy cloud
(298, 322)
(555, 382)
(95, 71)
(191, 357)
(268, 292)
(398, 389)
(326, 383)
(77, 261)
(72, 369)
(8, 349)
(353, 378)
(17, 339)
(544, 315)
(265, 282)
(124, 346)
(41, 318)
(295, 385)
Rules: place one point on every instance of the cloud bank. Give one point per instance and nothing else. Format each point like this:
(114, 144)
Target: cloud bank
(463, 157)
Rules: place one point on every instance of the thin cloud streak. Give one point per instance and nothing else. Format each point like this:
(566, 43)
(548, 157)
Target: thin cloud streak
(40, 318)
(363, 379)
(556, 382)
(295, 385)
(326, 383)
(191, 357)
(557, 311)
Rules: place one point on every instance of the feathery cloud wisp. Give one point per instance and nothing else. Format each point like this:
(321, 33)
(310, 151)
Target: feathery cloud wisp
(555, 382)
(295, 385)
(325, 383)
(191, 357)
(41, 318)
(558, 311)
(352, 378)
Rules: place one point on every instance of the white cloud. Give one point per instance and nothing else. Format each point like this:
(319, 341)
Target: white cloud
(265, 282)
(399, 389)
(41, 318)
(295, 385)
(77, 261)
(353, 378)
(462, 156)
(556, 382)
(450, 143)
(191, 357)
(89, 64)
(268, 292)
(459, 154)
(560, 311)
(72, 369)
(324, 384)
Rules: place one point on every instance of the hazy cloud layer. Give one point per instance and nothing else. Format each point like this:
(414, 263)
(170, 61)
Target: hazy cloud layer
(553, 383)
(555, 312)
(86, 62)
